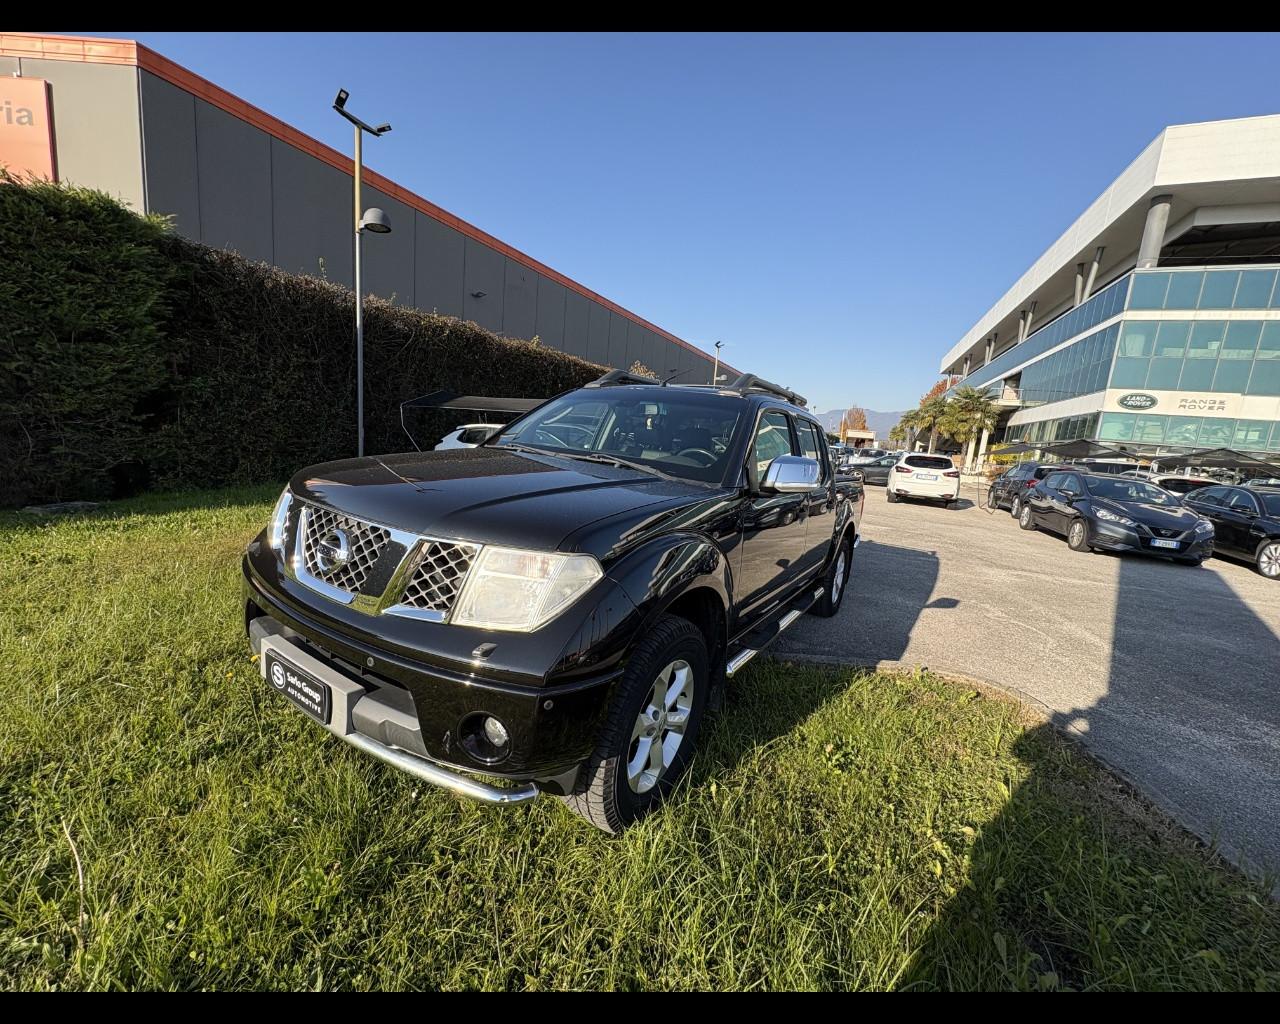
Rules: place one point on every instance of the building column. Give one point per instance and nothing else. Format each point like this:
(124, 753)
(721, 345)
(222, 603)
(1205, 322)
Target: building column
(1079, 283)
(968, 453)
(982, 447)
(1093, 273)
(965, 371)
(1026, 330)
(1153, 233)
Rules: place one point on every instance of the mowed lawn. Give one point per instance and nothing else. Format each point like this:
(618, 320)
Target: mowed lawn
(167, 822)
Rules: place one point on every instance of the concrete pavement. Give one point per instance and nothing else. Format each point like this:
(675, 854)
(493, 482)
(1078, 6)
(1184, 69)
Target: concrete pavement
(1168, 673)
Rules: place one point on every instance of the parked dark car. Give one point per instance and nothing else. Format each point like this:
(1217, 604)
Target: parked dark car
(1247, 522)
(1260, 482)
(1114, 513)
(557, 608)
(1008, 489)
(878, 470)
(1099, 467)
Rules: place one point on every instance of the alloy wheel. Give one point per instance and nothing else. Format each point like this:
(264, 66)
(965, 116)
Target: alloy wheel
(1269, 561)
(660, 726)
(1077, 534)
(837, 581)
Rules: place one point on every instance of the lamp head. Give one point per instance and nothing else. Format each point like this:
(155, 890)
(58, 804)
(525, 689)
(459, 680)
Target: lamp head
(341, 100)
(376, 221)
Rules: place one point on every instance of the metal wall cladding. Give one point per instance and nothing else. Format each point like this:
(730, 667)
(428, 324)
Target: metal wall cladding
(311, 216)
(96, 125)
(169, 141)
(485, 283)
(519, 301)
(234, 161)
(440, 260)
(232, 185)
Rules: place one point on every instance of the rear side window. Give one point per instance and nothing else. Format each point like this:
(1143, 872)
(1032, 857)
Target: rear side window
(1210, 495)
(1043, 471)
(1242, 502)
(928, 462)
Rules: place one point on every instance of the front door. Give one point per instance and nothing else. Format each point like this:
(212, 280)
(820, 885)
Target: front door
(773, 526)
(820, 503)
(1234, 521)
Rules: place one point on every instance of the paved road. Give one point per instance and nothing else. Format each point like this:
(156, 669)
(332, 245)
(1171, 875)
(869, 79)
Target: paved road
(1170, 674)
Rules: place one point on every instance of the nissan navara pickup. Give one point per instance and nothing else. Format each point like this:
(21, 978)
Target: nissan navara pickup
(558, 609)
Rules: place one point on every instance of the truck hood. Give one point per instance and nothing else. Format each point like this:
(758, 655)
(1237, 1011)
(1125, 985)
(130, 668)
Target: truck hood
(486, 495)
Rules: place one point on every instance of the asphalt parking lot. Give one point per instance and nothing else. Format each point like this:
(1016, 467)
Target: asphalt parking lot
(1170, 674)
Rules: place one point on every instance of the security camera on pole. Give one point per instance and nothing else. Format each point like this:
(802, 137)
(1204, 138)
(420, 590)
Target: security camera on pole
(373, 220)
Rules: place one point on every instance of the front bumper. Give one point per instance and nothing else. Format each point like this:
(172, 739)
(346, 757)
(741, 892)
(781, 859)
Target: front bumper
(351, 706)
(1124, 539)
(553, 728)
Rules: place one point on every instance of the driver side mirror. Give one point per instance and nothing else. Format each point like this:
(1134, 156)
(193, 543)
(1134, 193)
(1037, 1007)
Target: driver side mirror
(791, 474)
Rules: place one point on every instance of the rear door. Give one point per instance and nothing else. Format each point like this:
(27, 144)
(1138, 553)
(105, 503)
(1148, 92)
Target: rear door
(1209, 502)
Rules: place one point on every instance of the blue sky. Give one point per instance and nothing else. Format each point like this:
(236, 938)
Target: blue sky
(839, 209)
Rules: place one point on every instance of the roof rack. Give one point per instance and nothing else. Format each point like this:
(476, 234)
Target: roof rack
(750, 382)
(621, 377)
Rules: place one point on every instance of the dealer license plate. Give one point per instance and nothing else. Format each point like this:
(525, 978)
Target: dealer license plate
(1156, 542)
(304, 690)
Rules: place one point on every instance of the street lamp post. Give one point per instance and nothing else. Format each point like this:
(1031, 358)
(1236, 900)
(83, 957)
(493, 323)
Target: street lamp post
(373, 220)
(715, 373)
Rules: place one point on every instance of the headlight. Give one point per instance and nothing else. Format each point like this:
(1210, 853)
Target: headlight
(279, 520)
(521, 590)
(1111, 517)
(1204, 526)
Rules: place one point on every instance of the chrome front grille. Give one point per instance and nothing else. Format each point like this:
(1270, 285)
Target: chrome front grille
(438, 578)
(339, 549)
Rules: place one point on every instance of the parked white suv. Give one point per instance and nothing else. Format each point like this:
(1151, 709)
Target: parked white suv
(468, 435)
(924, 476)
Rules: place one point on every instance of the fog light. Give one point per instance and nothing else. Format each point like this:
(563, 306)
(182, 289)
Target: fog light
(495, 732)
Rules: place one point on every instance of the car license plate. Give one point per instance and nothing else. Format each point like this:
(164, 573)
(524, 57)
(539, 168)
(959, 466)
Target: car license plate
(926, 476)
(308, 693)
(1156, 542)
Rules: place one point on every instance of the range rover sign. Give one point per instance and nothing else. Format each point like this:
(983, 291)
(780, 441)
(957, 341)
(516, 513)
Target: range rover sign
(1136, 400)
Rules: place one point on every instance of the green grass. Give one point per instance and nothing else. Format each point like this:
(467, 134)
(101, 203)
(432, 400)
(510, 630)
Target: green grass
(840, 829)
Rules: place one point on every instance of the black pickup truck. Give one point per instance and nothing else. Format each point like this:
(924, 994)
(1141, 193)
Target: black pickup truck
(557, 609)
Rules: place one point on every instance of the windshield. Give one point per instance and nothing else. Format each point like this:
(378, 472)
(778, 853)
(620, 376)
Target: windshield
(1125, 489)
(671, 430)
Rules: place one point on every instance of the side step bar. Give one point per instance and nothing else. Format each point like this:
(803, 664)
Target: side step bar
(761, 638)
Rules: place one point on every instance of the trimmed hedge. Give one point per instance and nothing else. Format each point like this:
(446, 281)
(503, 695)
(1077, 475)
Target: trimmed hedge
(131, 357)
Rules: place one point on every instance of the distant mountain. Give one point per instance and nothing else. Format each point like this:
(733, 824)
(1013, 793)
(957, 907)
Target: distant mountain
(880, 422)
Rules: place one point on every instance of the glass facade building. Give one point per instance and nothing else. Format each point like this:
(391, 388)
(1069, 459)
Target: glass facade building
(1142, 348)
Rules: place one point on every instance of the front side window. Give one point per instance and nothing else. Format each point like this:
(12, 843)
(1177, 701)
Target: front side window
(682, 433)
(773, 438)
(811, 446)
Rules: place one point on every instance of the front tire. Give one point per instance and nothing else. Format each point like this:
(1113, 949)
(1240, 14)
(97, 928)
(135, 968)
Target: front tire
(651, 730)
(1025, 522)
(1268, 560)
(835, 582)
(1078, 535)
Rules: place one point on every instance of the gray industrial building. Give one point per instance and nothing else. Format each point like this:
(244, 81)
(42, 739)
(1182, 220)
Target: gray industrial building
(130, 122)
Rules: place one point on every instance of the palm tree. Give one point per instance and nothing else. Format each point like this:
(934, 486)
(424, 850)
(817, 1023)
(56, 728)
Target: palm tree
(931, 416)
(910, 426)
(968, 414)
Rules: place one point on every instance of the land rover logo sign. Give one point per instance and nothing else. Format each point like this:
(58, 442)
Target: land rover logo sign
(1137, 400)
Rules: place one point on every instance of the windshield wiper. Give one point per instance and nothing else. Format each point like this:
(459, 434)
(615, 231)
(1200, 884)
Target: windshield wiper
(587, 456)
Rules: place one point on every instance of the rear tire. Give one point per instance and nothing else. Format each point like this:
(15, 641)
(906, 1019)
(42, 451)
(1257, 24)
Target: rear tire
(1015, 507)
(620, 784)
(893, 498)
(1025, 522)
(991, 498)
(835, 582)
(1078, 535)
